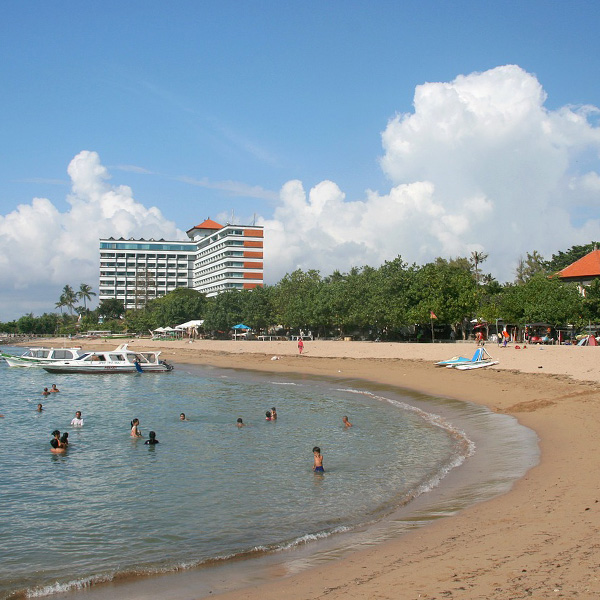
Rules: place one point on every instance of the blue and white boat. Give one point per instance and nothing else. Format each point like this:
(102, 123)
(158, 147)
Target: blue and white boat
(119, 360)
(37, 357)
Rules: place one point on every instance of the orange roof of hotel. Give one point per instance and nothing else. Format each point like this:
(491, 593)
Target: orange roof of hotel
(208, 224)
(587, 266)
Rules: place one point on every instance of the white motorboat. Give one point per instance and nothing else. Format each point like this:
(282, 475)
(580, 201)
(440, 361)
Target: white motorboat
(120, 360)
(36, 357)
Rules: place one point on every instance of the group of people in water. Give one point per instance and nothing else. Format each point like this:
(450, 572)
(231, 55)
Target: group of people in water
(59, 443)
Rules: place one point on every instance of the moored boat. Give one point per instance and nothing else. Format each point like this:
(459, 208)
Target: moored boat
(36, 357)
(119, 360)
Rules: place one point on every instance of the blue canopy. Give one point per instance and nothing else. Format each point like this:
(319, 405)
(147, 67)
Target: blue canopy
(241, 326)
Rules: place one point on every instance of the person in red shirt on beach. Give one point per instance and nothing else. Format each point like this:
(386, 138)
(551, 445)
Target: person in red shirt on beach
(300, 345)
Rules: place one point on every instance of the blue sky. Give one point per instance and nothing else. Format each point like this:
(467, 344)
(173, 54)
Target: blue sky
(216, 109)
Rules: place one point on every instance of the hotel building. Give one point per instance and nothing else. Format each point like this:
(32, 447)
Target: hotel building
(216, 259)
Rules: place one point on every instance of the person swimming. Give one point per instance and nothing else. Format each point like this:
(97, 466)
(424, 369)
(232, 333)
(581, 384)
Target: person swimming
(46, 392)
(135, 432)
(273, 414)
(64, 439)
(55, 446)
(346, 422)
(57, 443)
(240, 423)
(182, 417)
(152, 440)
(269, 416)
(318, 460)
(40, 408)
(54, 388)
(77, 420)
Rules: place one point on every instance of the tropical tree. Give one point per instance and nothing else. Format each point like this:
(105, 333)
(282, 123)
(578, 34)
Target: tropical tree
(476, 259)
(85, 293)
(531, 266)
(68, 298)
(111, 308)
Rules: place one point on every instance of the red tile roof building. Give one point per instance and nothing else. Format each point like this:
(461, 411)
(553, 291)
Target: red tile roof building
(584, 270)
(215, 259)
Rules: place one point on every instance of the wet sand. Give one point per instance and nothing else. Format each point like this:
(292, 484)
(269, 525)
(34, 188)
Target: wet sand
(540, 540)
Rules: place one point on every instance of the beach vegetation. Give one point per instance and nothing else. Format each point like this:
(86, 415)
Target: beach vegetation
(394, 301)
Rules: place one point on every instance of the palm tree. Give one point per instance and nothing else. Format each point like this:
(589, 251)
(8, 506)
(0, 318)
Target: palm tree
(60, 304)
(68, 297)
(477, 258)
(85, 292)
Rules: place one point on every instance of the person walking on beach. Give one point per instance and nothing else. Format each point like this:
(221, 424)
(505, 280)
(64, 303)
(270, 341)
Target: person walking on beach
(300, 345)
(318, 460)
(135, 432)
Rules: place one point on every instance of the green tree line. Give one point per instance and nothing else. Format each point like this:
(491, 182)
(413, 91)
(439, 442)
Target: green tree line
(367, 302)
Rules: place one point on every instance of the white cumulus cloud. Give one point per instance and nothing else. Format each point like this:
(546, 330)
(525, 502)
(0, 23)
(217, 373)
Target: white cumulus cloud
(479, 164)
(43, 249)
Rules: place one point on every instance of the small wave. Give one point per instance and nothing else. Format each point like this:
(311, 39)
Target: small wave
(282, 383)
(466, 446)
(69, 586)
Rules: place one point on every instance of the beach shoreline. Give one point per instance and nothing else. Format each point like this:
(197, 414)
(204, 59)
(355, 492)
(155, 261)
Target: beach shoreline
(538, 540)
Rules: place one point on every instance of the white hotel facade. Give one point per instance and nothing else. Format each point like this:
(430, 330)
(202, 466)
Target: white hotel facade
(216, 259)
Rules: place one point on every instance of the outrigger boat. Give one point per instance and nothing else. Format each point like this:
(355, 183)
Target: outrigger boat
(120, 360)
(37, 357)
(480, 359)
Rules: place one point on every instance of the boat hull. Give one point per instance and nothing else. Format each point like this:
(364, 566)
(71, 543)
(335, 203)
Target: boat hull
(104, 369)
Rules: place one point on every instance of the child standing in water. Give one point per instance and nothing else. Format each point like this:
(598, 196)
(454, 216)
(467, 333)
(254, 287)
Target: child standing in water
(135, 432)
(318, 463)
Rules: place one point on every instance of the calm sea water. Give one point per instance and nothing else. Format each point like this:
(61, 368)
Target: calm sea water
(112, 505)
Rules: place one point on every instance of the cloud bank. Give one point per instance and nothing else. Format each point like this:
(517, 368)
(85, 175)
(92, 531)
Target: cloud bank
(479, 164)
(42, 249)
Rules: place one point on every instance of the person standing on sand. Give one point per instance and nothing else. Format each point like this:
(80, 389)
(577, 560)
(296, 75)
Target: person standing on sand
(300, 345)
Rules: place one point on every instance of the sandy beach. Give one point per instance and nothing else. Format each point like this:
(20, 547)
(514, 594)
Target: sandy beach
(540, 540)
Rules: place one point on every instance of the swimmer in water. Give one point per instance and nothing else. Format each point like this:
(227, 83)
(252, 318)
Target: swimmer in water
(40, 408)
(182, 417)
(346, 422)
(135, 432)
(54, 388)
(318, 462)
(240, 423)
(269, 416)
(55, 447)
(57, 439)
(45, 392)
(64, 439)
(273, 414)
(77, 421)
(152, 440)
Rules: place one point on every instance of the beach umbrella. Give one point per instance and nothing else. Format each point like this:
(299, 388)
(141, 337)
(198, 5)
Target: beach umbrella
(241, 326)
